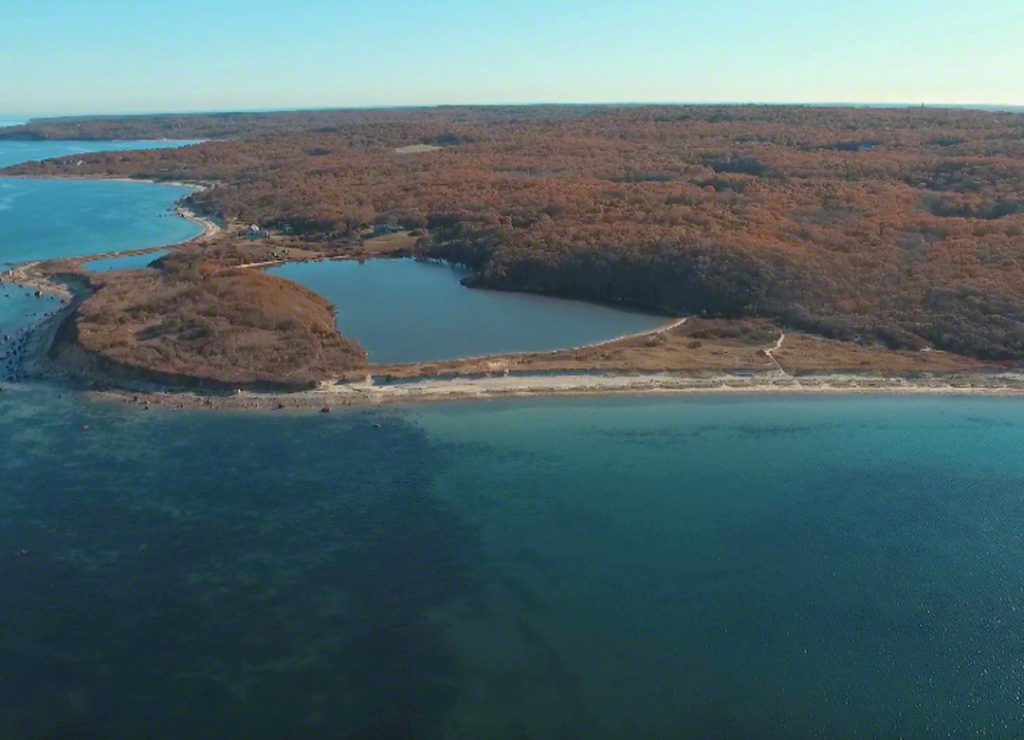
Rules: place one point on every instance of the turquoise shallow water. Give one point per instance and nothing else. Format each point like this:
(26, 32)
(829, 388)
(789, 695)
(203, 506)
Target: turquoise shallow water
(408, 311)
(602, 568)
(20, 310)
(45, 219)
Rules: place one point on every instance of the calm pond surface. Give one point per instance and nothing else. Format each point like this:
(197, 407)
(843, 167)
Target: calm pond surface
(409, 311)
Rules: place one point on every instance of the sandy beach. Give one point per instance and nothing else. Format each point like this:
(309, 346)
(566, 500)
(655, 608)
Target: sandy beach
(371, 392)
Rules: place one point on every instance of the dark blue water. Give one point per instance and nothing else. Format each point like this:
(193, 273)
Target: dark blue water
(408, 311)
(698, 567)
(133, 262)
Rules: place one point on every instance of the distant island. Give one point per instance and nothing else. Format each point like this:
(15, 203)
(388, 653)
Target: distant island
(885, 241)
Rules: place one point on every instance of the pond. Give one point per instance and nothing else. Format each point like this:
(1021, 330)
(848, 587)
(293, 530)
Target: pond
(409, 311)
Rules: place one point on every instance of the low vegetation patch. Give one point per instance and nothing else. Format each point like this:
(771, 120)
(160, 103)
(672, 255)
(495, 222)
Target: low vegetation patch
(200, 323)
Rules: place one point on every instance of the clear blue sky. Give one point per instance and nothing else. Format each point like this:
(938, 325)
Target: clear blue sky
(94, 56)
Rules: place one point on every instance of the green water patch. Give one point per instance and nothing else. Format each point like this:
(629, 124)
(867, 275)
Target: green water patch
(734, 568)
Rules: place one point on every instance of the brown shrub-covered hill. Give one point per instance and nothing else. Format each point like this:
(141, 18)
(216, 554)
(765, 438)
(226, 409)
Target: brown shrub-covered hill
(187, 323)
(904, 226)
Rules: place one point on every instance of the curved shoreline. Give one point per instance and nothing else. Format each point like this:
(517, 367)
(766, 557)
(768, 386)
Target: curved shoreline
(72, 291)
(496, 381)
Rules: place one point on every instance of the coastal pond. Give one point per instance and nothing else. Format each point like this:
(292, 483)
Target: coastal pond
(411, 311)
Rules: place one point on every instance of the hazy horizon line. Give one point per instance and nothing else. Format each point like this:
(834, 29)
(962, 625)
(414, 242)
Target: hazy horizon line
(24, 117)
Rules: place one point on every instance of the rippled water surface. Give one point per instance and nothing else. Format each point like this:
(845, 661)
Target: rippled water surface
(735, 567)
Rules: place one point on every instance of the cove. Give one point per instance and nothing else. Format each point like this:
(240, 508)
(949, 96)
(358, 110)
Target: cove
(50, 219)
(409, 311)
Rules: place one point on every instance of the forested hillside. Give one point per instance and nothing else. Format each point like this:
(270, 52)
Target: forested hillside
(901, 226)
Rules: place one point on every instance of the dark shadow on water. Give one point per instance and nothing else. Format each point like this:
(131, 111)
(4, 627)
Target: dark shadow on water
(226, 576)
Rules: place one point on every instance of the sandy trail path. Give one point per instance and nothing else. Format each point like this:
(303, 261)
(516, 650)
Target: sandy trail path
(770, 353)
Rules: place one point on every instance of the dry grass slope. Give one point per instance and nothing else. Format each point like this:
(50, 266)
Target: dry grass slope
(223, 327)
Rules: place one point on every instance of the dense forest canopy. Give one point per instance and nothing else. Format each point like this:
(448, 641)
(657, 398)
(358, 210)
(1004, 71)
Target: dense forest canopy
(899, 225)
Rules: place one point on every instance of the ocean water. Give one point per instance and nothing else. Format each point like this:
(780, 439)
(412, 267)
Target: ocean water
(700, 567)
(133, 262)
(20, 310)
(408, 311)
(47, 219)
(16, 152)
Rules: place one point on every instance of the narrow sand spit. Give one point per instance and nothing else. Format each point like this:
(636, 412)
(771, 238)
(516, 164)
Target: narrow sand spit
(371, 393)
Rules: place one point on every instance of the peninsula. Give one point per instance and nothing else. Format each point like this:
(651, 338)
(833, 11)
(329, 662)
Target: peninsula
(869, 243)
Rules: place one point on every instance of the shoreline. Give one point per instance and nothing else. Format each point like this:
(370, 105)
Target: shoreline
(368, 394)
(32, 359)
(494, 383)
